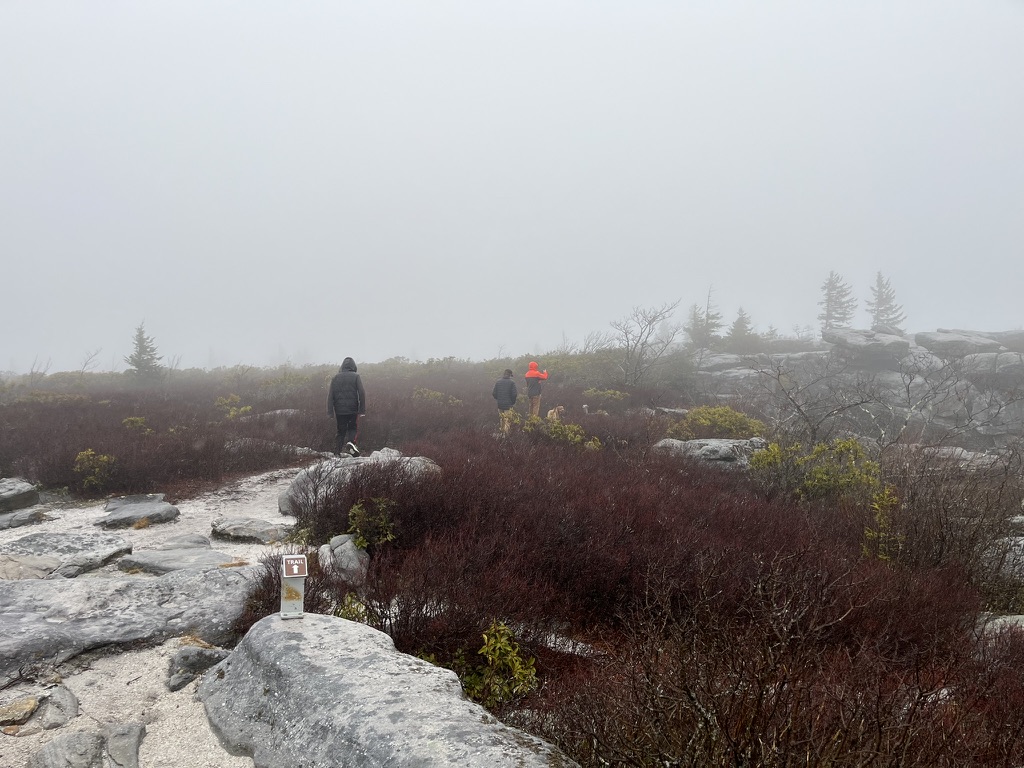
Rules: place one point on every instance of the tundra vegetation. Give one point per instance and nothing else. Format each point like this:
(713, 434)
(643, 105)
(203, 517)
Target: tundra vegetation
(830, 607)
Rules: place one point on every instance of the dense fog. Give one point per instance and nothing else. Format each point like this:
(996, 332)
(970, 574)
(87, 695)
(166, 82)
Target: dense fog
(266, 183)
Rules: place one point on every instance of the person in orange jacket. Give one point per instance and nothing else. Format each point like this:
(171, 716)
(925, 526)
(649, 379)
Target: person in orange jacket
(534, 377)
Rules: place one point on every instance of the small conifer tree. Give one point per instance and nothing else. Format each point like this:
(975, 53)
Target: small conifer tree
(704, 324)
(837, 303)
(883, 307)
(143, 362)
(741, 337)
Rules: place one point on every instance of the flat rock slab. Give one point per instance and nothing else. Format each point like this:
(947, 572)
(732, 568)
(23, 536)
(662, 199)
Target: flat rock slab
(76, 552)
(867, 343)
(47, 622)
(21, 517)
(342, 695)
(249, 529)
(161, 561)
(17, 493)
(13, 567)
(138, 513)
(116, 745)
(948, 344)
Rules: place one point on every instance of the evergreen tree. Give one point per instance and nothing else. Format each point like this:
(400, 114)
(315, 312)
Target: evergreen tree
(704, 324)
(741, 338)
(883, 307)
(143, 361)
(837, 304)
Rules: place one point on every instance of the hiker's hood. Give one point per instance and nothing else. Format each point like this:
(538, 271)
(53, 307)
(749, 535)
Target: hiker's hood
(348, 364)
(533, 366)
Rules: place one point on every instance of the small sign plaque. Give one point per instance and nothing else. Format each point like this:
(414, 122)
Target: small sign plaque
(293, 565)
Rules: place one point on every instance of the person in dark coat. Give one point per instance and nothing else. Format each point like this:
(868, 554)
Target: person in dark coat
(346, 401)
(505, 393)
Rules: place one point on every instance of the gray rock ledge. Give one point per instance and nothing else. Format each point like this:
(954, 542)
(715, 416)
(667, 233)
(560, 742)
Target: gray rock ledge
(320, 691)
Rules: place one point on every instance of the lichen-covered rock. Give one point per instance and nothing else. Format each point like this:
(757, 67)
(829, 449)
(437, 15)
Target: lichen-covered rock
(322, 691)
(722, 452)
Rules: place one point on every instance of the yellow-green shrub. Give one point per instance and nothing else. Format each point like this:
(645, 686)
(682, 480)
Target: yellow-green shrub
(716, 421)
(230, 407)
(879, 538)
(838, 469)
(371, 523)
(96, 469)
(424, 395)
(137, 424)
(604, 396)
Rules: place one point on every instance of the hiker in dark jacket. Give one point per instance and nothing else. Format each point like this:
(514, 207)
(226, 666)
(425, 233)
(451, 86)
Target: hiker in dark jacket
(347, 402)
(505, 393)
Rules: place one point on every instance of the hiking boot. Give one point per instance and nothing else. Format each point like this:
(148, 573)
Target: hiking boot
(352, 449)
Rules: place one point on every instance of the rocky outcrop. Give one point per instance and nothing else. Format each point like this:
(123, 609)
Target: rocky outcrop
(313, 484)
(75, 553)
(115, 745)
(347, 560)
(46, 622)
(959, 387)
(178, 553)
(26, 566)
(131, 511)
(20, 518)
(722, 452)
(948, 344)
(322, 691)
(866, 345)
(250, 529)
(1012, 340)
(17, 493)
(190, 662)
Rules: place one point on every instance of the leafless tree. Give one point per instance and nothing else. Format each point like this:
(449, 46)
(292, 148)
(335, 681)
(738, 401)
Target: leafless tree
(90, 361)
(38, 371)
(643, 338)
(596, 341)
(804, 398)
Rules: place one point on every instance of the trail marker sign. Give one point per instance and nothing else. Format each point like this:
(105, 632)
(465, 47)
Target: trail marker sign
(293, 581)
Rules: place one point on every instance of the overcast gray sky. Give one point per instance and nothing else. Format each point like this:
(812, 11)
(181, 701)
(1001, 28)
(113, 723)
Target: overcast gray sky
(262, 182)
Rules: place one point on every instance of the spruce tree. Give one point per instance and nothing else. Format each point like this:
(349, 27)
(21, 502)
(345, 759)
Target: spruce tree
(704, 324)
(883, 307)
(837, 303)
(741, 338)
(143, 361)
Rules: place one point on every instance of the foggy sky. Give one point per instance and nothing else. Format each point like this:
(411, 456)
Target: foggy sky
(262, 182)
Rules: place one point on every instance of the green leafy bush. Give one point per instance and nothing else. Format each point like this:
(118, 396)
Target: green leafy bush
(604, 396)
(95, 469)
(230, 407)
(837, 469)
(137, 424)
(716, 421)
(371, 522)
(506, 675)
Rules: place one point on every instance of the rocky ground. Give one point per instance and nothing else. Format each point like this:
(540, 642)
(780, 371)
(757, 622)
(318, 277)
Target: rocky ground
(123, 686)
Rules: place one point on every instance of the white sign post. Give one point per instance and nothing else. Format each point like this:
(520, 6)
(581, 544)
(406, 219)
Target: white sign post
(293, 581)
